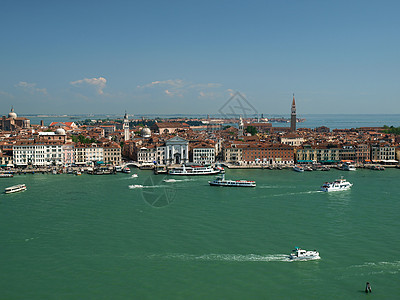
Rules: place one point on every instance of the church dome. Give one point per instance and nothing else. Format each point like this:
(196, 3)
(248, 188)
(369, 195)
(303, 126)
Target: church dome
(145, 132)
(12, 114)
(60, 131)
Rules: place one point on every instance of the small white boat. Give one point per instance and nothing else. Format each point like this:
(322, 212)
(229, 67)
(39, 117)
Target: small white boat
(298, 169)
(135, 186)
(221, 181)
(301, 254)
(126, 170)
(348, 167)
(169, 180)
(338, 185)
(134, 175)
(15, 188)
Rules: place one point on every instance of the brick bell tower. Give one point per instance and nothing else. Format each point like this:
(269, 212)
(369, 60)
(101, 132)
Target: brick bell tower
(293, 117)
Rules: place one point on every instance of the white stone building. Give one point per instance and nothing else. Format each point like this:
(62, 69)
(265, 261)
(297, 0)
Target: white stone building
(177, 151)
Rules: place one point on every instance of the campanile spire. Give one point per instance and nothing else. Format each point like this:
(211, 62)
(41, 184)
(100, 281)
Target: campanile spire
(293, 117)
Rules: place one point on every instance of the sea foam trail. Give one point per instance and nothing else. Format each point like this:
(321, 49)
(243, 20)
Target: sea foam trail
(223, 257)
(139, 186)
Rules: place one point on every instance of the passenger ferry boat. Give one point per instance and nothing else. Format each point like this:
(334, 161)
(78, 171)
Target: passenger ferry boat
(193, 170)
(221, 181)
(15, 188)
(338, 185)
(301, 254)
(298, 169)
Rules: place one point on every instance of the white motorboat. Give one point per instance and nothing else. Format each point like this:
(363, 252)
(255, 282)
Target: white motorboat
(338, 185)
(221, 181)
(301, 254)
(169, 180)
(134, 175)
(298, 169)
(348, 167)
(193, 170)
(126, 170)
(135, 186)
(15, 188)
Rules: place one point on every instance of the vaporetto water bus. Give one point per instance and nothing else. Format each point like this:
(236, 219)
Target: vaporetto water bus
(221, 181)
(338, 185)
(194, 170)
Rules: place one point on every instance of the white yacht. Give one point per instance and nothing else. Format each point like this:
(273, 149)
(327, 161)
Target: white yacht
(298, 169)
(15, 188)
(193, 170)
(338, 185)
(301, 254)
(221, 181)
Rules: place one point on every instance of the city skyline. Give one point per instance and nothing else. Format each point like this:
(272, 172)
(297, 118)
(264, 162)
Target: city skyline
(191, 58)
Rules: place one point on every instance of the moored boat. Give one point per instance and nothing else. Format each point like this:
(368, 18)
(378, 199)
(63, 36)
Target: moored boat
(5, 175)
(301, 254)
(298, 169)
(15, 188)
(348, 167)
(221, 181)
(193, 170)
(337, 185)
(126, 170)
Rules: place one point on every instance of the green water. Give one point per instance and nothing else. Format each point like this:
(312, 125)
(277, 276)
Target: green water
(93, 237)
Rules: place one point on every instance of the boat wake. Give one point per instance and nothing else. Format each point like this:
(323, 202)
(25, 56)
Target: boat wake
(176, 180)
(223, 257)
(139, 186)
(385, 267)
(299, 193)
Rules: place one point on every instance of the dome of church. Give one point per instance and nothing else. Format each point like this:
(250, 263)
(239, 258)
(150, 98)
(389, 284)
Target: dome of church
(60, 131)
(145, 132)
(12, 114)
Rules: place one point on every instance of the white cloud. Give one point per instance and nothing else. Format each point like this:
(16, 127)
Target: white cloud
(98, 83)
(30, 87)
(179, 87)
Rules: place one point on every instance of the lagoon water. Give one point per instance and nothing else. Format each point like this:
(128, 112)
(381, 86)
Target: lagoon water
(105, 237)
(332, 121)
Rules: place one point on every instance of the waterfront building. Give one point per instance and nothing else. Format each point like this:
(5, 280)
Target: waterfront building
(293, 119)
(112, 153)
(147, 154)
(270, 154)
(232, 153)
(177, 150)
(202, 153)
(363, 153)
(348, 153)
(325, 154)
(87, 154)
(68, 154)
(384, 153)
(28, 153)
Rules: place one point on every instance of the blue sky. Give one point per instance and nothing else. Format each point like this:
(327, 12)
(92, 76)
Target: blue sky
(189, 57)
